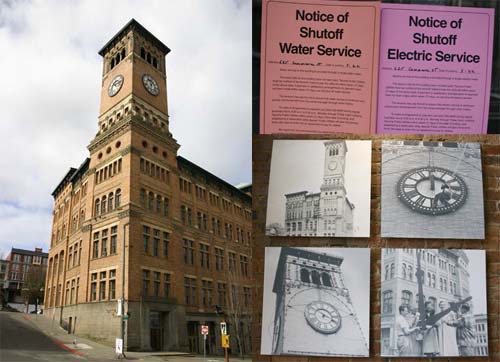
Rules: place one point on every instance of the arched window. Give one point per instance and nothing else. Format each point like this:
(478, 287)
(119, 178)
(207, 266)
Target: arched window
(325, 278)
(404, 271)
(103, 205)
(82, 217)
(143, 198)
(410, 272)
(112, 63)
(165, 207)
(123, 53)
(158, 204)
(151, 198)
(97, 207)
(110, 201)
(429, 279)
(143, 53)
(148, 57)
(315, 277)
(155, 63)
(118, 198)
(304, 275)
(392, 270)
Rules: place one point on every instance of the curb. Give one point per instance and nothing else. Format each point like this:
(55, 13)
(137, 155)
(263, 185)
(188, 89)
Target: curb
(55, 340)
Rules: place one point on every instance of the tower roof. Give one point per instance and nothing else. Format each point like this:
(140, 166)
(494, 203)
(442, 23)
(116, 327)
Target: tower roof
(134, 25)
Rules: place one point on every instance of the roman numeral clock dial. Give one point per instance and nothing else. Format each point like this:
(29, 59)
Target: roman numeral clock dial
(323, 317)
(432, 190)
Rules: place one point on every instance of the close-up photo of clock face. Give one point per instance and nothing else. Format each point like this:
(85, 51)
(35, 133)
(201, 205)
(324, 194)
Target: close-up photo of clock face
(432, 190)
(150, 84)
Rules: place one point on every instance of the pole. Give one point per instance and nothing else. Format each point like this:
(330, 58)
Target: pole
(226, 357)
(122, 321)
(204, 347)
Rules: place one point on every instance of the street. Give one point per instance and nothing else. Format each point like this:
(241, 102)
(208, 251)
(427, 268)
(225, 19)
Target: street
(20, 340)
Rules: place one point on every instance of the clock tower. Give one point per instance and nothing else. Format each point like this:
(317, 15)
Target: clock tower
(314, 313)
(335, 208)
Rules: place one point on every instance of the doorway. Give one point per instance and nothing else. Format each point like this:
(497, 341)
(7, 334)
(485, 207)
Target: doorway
(156, 330)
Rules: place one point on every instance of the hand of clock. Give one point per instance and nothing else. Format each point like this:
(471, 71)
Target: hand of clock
(431, 177)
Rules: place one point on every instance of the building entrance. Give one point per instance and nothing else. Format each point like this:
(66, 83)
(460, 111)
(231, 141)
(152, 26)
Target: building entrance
(156, 330)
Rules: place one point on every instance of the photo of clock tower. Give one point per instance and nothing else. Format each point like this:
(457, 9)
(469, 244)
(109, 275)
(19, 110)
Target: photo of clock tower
(314, 312)
(329, 212)
(139, 229)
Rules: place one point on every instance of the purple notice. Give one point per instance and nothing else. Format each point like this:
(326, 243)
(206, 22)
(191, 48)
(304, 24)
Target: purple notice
(435, 69)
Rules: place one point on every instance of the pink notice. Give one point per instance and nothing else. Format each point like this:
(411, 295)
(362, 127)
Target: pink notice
(435, 69)
(319, 64)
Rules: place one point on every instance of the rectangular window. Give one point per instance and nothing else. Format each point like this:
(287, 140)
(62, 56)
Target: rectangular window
(247, 295)
(206, 293)
(145, 282)
(244, 265)
(104, 243)
(222, 294)
(190, 291)
(112, 284)
(188, 251)
(95, 253)
(156, 241)
(145, 237)
(219, 259)
(166, 285)
(165, 207)
(156, 284)
(232, 261)
(93, 286)
(204, 256)
(165, 243)
(102, 290)
(112, 247)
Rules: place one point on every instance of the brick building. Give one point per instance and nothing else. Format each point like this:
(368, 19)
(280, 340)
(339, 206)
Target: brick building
(136, 213)
(22, 269)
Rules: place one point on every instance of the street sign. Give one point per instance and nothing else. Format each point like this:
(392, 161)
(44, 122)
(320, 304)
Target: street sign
(119, 346)
(225, 340)
(119, 307)
(204, 330)
(125, 317)
(223, 328)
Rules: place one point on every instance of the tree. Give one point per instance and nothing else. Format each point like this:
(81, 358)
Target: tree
(33, 285)
(239, 314)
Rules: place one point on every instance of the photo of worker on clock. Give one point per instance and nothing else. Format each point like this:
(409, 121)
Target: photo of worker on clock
(432, 190)
(319, 188)
(316, 302)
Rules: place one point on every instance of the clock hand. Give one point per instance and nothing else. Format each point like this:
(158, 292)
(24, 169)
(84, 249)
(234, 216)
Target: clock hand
(431, 177)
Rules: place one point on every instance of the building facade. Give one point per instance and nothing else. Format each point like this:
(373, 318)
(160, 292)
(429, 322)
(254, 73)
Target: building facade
(481, 328)
(328, 212)
(24, 270)
(138, 222)
(446, 277)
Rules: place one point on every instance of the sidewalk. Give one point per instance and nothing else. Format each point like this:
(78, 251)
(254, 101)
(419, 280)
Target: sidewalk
(95, 351)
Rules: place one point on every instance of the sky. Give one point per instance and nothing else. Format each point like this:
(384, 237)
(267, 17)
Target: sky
(298, 165)
(51, 77)
(356, 274)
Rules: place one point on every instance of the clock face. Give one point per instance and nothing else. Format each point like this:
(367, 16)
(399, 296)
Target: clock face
(332, 165)
(150, 84)
(323, 317)
(432, 190)
(115, 85)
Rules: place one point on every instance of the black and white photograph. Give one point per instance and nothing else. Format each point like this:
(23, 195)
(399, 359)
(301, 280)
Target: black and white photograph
(432, 190)
(316, 302)
(433, 303)
(319, 188)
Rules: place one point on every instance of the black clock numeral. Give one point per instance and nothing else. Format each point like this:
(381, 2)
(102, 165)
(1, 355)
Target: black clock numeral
(411, 194)
(420, 201)
(422, 174)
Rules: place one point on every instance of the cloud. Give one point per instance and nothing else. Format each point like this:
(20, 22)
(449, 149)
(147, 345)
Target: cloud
(51, 78)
